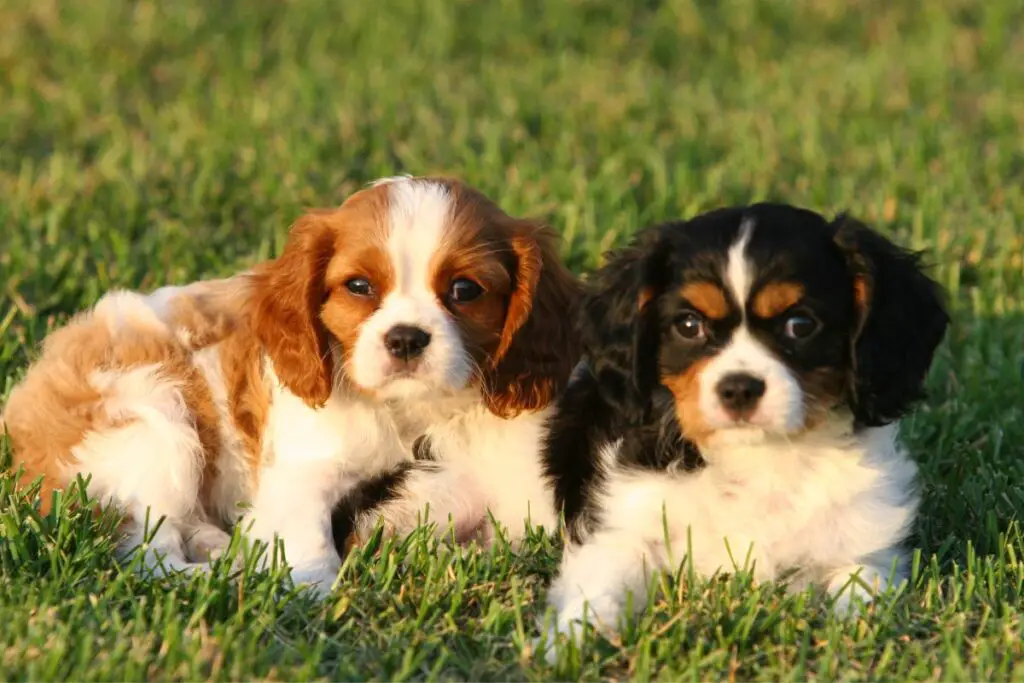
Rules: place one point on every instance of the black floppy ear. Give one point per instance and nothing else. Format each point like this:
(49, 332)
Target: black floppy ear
(901, 320)
(619, 324)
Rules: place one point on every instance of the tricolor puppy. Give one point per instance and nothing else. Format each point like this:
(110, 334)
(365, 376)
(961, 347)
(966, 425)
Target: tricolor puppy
(747, 370)
(416, 307)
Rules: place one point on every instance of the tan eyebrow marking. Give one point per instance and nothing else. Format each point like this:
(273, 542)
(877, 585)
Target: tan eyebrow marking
(644, 298)
(708, 298)
(775, 298)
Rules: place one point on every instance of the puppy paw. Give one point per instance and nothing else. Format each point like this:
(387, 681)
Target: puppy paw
(853, 588)
(207, 544)
(319, 579)
(846, 605)
(557, 638)
(476, 530)
(548, 645)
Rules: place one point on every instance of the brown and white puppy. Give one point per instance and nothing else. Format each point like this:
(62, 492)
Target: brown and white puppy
(417, 307)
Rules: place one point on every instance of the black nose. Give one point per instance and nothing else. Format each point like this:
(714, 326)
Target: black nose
(739, 393)
(406, 342)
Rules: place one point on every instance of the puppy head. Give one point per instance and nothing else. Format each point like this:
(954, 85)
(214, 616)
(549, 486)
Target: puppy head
(762, 320)
(418, 288)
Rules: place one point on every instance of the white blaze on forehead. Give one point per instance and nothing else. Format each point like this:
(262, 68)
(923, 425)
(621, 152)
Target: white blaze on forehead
(739, 273)
(419, 215)
(419, 212)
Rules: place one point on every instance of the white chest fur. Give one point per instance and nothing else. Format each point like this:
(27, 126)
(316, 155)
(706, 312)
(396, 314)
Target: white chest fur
(487, 467)
(832, 505)
(822, 500)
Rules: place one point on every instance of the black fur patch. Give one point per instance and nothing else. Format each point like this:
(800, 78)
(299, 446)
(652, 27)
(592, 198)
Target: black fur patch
(370, 494)
(585, 423)
(905, 321)
(363, 500)
(422, 449)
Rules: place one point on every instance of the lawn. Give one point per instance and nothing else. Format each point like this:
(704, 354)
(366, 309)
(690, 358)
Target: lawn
(146, 143)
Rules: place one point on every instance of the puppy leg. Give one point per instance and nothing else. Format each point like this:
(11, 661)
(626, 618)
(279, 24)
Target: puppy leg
(206, 542)
(598, 579)
(150, 468)
(650, 534)
(163, 549)
(293, 504)
(447, 496)
(858, 582)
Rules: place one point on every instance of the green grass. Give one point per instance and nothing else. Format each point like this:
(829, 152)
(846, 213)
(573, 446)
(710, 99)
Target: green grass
(146, 143)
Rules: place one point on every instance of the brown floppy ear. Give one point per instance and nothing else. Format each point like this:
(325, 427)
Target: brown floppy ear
(287, 297)
(539, 345)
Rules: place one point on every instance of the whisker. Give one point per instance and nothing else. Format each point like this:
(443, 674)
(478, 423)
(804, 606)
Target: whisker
(475, 369)
(337, 370)
(480, 250)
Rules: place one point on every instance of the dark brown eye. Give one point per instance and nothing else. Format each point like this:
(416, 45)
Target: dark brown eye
(692, 327)
(800, 326)
(359, 286)
(463, 291)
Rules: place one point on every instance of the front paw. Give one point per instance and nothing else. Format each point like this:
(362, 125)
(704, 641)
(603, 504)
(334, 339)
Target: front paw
(206, 544)
(855, 587)
(557, 638)
(319, 579)
(572, 621)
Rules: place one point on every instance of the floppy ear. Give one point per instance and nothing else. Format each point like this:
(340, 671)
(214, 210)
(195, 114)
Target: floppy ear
(901, 320)
(620, 325)
(539, 346)
(287, 297)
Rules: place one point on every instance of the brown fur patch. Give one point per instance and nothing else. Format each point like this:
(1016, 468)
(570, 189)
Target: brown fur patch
(685, 388)
(860, 292)
(862, 303)
(482, 321)
(708, 298)
(287, 294)
(56, 406)
(300, 301)
(241, 363)
(206, 312)
(212, 312)
(360, 230)
(478, 246)
(644, 297)
(517, 329)
(775, 298)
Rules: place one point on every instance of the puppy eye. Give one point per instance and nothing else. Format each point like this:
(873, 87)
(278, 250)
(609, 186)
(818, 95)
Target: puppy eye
(359, 286)
(692, 327)
(800, 326)
(463, 291)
